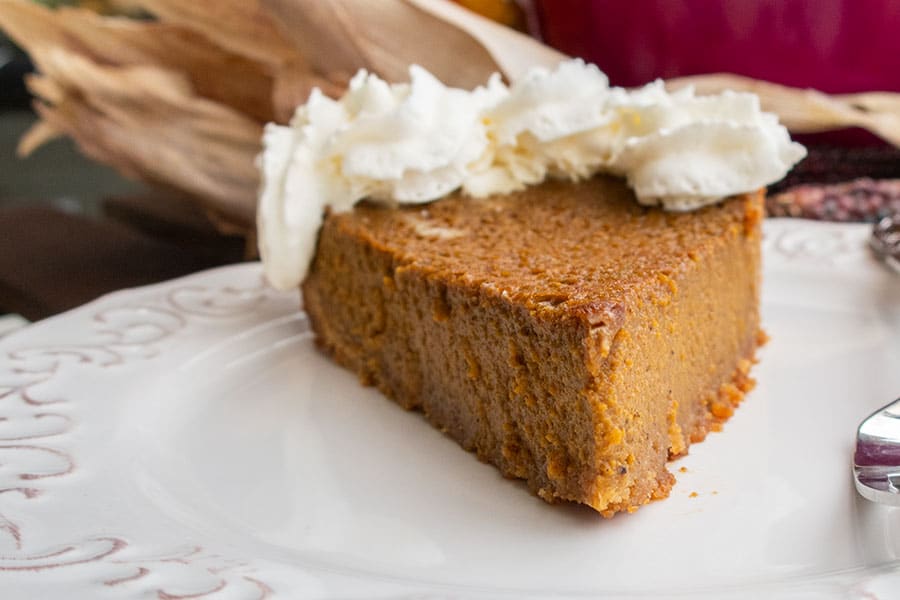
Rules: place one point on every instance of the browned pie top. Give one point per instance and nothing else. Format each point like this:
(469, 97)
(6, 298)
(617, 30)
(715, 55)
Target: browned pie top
(560, 245)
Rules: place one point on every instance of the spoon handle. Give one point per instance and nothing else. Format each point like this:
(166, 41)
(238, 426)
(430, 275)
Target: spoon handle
(876, 462)
(886, 240)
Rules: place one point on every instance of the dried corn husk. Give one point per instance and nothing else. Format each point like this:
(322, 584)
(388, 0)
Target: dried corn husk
(342, 36)
(513, 53)
(242, 27)
(148, 123)
(807, 110)
(247, 29)
(214, 72)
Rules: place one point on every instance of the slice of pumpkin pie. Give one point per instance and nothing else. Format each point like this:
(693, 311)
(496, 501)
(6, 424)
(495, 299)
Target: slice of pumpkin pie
(574, 329)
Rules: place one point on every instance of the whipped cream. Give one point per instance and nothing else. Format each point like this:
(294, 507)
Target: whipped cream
(418, 141)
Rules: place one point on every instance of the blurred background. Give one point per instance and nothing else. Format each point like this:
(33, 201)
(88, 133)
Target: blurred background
(72, 229)
(57, 175)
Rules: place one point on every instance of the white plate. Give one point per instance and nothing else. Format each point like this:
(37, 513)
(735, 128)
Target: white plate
(187, 440)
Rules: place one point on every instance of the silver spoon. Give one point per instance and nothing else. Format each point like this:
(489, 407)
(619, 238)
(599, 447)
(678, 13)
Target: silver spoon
(876, 462)
(885, 240)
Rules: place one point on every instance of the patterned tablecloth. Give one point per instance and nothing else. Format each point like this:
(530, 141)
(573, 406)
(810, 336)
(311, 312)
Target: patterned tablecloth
(840, 184)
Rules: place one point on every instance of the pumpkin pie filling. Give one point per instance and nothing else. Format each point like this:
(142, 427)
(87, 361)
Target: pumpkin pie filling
(566, 334)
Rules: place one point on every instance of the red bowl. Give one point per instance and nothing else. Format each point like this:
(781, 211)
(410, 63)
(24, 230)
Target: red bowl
(832, 45)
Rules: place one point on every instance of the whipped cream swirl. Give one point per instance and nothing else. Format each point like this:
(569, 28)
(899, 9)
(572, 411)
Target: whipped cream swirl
(416, 142)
